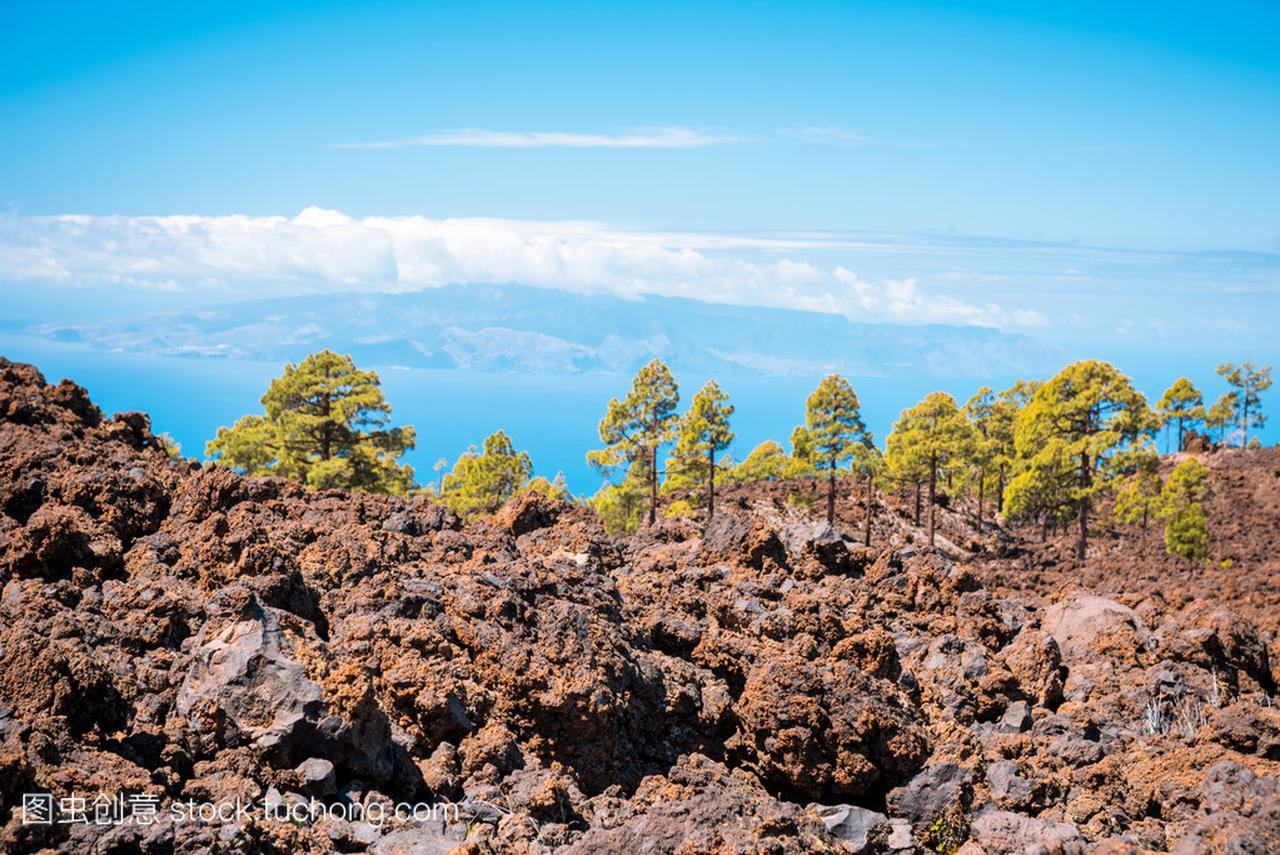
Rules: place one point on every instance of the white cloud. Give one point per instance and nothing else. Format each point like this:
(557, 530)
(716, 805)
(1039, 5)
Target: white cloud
(652, 137)
(664, 137)
(323, 250)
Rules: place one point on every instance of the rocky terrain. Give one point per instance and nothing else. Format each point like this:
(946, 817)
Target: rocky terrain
(172, 633)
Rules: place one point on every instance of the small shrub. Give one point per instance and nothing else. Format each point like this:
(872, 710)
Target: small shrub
(678, 509)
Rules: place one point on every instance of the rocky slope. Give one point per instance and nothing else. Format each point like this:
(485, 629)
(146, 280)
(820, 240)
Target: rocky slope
(175, 634)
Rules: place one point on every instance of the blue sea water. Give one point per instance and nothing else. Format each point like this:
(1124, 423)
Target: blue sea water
(553, 417)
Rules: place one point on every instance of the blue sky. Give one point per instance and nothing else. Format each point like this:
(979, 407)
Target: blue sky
(1082, 170)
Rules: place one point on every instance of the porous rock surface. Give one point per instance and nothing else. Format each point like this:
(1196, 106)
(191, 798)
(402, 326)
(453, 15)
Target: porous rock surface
(758, 683)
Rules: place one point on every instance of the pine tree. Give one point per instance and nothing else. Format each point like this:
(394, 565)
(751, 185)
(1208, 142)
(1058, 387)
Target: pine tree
(634, 428)
(905, 466)
(868, 462)
(704, 433)
(802, 445)
(1139, 496)
(482, 483)
(622, 506)
(993, 445)
(1092, 410)
(324, 424)
(1183, 405)
(1250, 382)
(1042, 489)
(557, 488)
(1004, 414)
(833, 429)
(936, 433)
(1186, 530)
(1222, 415)
(766, 462)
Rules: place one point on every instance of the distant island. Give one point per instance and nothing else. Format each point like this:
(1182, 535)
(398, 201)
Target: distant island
(502, 328)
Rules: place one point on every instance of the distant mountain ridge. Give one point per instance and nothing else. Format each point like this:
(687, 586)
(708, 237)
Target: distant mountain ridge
(514, 328)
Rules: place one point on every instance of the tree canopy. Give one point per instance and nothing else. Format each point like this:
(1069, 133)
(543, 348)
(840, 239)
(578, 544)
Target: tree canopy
(1186, 529)
(634, 428)
(1222, 415)
(832, 431)
(1086, 412)
(1139, 495)
(324, 423)
(1250, 382)
(482, 483)
(703, 433)
(1181, 405)
(933, 435)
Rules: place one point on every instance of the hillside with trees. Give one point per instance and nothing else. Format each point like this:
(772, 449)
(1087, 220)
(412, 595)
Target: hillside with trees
(824, 647)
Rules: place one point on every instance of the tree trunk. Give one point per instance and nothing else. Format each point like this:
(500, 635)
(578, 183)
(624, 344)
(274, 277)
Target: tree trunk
(1044, 528)
(653, 485)
(326, 441)
(982, 486)
(1000, 492)
(1244, 415)
(1083, 543)
(711, 484)
(933, 495)
(831, 495)
(1179, 433)
(871, 497)
(917, 504)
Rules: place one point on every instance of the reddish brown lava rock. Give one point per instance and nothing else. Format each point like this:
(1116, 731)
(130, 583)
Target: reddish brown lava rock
(757, 683)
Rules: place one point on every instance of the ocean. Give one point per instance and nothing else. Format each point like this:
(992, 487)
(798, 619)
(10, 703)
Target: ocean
(553, 417)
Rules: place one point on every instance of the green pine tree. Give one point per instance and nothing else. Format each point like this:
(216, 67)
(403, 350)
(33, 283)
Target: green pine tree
(1042, 488)
(622, 506)
(1092, 410)
(482, 483)
(634, 428)
(1222, 415)
(1250, 382)
(1186, 528)
(936, 435)
(766, 462)
(325, 425)
(1181, 405)
(992, 420)
(868, 463)
(833, 430)
(1139, 496)
(557, 488)
(704, 433)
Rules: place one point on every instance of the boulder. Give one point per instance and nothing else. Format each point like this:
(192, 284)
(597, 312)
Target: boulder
(855, 826)
(317, 776)
(1001, 832)
(248, 672)
(933, 792)
(1087, 627)
(1008, 784)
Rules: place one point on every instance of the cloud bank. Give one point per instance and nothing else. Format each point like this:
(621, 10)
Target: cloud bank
(321, 250)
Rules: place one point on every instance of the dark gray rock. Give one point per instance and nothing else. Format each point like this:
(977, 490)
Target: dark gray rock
(246, 664)
(932, 792)
(1016, 719)
(856, 826)
(1007, 782)
(427, 839)
(318, 777)
(1001, 832)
